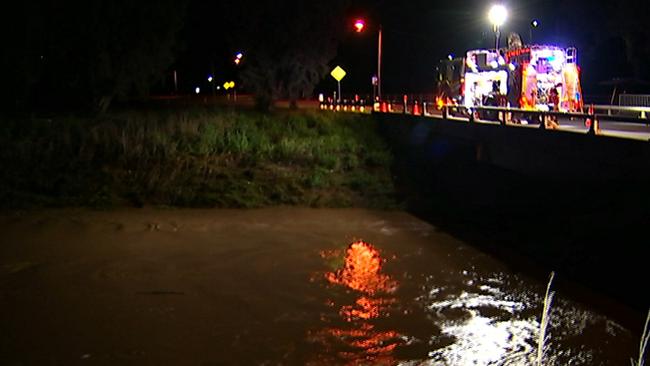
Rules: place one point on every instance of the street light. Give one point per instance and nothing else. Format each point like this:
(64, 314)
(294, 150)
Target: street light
(497, 17)
(359, 26)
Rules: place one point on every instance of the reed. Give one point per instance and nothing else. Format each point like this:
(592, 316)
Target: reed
(643, 343)
(546, 313)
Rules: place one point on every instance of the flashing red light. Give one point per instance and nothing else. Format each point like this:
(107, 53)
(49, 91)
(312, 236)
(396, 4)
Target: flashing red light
(359, 25)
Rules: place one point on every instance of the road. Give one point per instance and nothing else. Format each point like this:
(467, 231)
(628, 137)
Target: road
(628, 130)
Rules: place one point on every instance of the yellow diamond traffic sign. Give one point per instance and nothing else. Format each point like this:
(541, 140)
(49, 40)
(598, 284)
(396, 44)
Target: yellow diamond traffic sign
(338, 73)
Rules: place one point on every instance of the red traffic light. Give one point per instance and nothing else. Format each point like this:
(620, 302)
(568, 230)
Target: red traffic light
(359, 25)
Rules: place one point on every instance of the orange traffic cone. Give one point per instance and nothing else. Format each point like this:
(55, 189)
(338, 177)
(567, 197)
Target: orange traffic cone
(384, 107)
(416, 109)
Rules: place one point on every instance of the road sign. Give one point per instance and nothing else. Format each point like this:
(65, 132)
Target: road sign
(338, 73)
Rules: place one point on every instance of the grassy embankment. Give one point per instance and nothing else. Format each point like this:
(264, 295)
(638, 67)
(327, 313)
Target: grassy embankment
(195, 158)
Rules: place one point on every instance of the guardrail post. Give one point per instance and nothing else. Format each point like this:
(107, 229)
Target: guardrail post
(444, 112)
(471, 115)
(542, 121)
(593, 126)
(502, 118)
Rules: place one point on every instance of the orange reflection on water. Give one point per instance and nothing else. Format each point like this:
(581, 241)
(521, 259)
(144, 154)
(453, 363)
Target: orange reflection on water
(364, 308)
(371, 341)
(361, 342)
(361, 271)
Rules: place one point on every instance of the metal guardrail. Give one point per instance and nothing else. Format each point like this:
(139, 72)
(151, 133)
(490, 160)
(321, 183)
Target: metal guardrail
(641, 113)
(516, 116)
(634, 100)
(544, 118)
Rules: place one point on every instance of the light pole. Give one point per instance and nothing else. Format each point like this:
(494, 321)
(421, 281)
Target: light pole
(379, 64)
(497, 17)
(359, 26)
(533, 24)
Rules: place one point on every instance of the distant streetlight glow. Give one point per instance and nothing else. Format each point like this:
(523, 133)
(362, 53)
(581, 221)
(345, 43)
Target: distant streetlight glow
(238, 58)
(497, 16)
(450, 57)
(359, 24)
(534, 24)
(197, 90)
(210, 79)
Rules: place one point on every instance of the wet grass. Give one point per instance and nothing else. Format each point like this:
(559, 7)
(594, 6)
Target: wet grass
(195, 157)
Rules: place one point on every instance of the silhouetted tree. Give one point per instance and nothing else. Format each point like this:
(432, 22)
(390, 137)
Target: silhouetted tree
(288, 45)
(85, 53)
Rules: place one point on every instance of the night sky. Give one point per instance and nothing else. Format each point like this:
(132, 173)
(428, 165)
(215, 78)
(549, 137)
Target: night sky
(417, 34)
(80, 54)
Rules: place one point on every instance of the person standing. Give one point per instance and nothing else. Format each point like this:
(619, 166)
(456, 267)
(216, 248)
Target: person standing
(554, 106)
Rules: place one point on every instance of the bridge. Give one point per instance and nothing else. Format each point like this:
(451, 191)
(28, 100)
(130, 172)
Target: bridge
(624, 121)
(574, 197)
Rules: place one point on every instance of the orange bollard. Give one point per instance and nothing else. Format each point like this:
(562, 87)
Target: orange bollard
(416, 109)
(593, 127)
(384, 107)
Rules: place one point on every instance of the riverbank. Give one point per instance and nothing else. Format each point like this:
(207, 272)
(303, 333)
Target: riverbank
(195, 157)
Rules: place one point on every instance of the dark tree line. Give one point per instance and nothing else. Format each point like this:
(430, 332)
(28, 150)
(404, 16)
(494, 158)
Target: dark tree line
(83, 54)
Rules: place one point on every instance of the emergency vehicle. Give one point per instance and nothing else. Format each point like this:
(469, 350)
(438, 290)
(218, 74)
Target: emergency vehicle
(525, 77)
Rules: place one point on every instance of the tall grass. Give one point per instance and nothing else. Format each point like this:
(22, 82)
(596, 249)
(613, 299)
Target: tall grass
(546, 313)
(197, 157)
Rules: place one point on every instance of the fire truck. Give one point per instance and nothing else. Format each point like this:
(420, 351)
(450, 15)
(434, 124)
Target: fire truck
(528, 77)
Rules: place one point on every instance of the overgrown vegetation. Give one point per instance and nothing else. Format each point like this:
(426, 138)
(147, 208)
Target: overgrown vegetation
(197, 158)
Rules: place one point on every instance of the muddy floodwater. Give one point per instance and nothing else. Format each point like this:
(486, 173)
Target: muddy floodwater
(282, 286)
